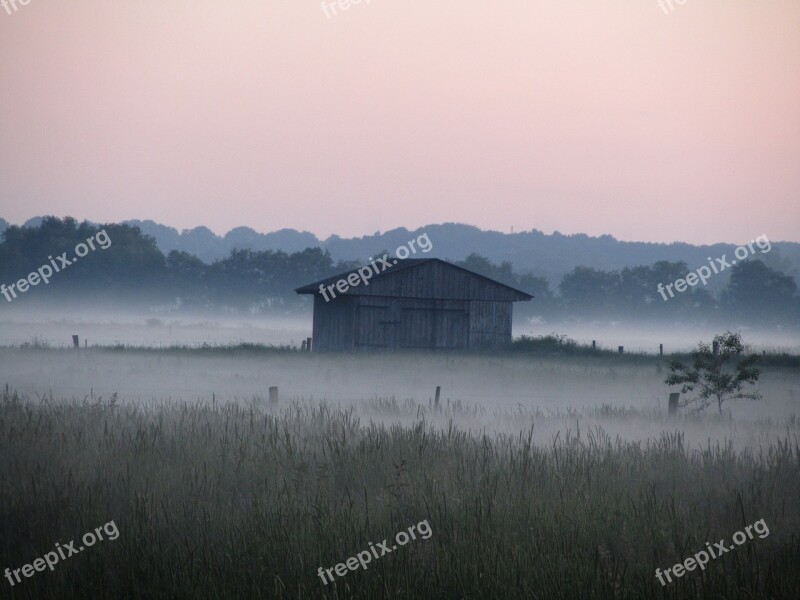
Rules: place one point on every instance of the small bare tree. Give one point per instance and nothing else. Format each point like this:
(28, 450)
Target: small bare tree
(709, 374)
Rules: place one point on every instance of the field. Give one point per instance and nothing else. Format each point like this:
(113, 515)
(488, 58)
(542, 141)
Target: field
(230, 496)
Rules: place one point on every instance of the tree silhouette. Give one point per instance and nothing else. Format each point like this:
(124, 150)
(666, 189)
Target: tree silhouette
(711, 374)
(755, 289)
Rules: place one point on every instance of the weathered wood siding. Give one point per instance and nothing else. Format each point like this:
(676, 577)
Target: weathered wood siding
(373, 322)
(428, 305)
(333, 323)
(435, 280)
(382, 322)
(489, 324)
(411, 323)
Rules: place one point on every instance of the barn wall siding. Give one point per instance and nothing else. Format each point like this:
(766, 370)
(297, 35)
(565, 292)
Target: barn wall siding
(384, 322)
(429, 305)
(435, 280)
(490, 324)
(333, 324)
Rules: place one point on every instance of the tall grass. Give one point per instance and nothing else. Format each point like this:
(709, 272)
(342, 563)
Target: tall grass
(226, 501)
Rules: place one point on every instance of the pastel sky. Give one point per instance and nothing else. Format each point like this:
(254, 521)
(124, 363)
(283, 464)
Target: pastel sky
(592, 116)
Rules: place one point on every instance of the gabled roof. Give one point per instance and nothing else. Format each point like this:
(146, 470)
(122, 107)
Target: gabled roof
(399, 266)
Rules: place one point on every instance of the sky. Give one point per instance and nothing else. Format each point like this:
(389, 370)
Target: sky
(618, 117)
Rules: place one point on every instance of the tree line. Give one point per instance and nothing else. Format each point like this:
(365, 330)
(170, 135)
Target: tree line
(133, 270)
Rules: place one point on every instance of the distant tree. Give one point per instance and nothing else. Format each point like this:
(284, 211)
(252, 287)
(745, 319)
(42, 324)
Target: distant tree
(188, 277)
(253, 280)
(589, 291)
(760, 292)
(538, 287)
(132, 265)
(712, 374)
(308, 265)
(477, 263)
(690, 302)
(633, 293)
(482, 265)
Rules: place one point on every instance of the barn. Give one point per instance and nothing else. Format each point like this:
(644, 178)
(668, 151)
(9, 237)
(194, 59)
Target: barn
(422, 303)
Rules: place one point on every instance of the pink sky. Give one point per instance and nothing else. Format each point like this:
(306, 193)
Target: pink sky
(598, 117)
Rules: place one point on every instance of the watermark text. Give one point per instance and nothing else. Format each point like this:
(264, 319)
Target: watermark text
(717, 266)
(700, 559)
(363, 558)
(45, 272)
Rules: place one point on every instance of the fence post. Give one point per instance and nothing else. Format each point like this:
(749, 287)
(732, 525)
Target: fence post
(622, 349)
(438, 391)
(308, 344)
(273, 394)
(715, 348)
(594, 344)
(76, 342)
(673, 403)
(661, 349)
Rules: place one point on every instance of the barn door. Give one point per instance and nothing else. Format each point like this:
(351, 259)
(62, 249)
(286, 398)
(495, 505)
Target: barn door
(417, 325)
(451, 327)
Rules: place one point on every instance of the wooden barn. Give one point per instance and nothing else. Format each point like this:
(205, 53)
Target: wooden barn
(416, 303)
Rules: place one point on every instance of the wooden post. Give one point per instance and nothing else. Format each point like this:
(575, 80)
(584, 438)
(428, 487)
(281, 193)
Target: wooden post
(661, 349)
(673, 403)
(622, 349)
(76, 342)
(273, 394)
(715, 348)
(438, 391)
(594, 344)
(303, 346)
(308, 344)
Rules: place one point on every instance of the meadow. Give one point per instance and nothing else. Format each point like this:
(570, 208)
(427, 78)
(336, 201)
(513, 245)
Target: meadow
(222, 494)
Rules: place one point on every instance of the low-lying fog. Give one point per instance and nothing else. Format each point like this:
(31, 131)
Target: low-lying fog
(131, 328)
(495, 394)
(505, 395)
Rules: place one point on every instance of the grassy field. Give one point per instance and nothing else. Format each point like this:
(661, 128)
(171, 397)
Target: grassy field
(218, 500)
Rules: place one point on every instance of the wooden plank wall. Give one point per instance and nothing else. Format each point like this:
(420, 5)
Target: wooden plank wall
(435, 280)
(490, 324)
(433, 305)
(333, 323)
(411, 323)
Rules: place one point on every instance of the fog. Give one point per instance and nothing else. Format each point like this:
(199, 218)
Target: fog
(108, 327)
(144, 428)
(480, 392)
(676, 337)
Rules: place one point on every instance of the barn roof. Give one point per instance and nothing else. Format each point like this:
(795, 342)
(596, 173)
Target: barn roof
(401, 268)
